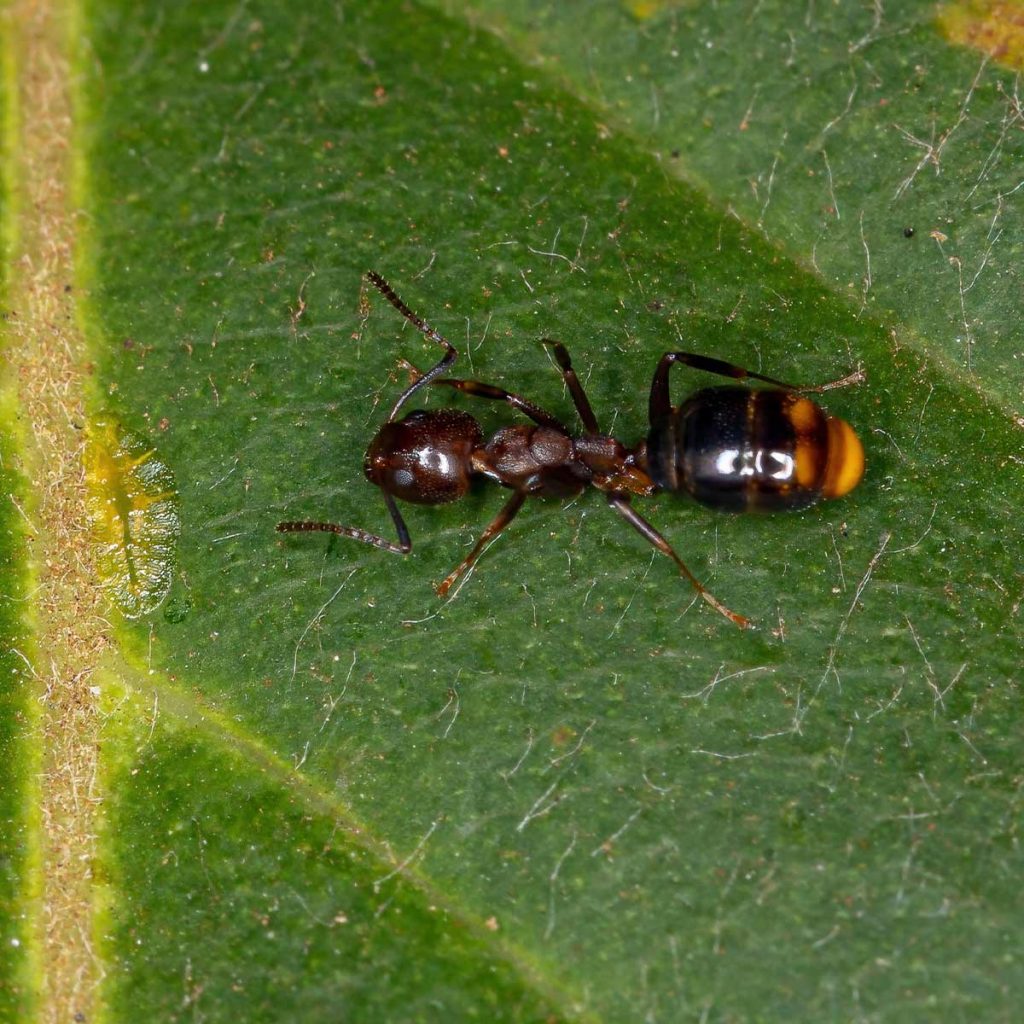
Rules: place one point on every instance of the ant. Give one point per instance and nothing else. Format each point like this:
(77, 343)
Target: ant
(734, 448)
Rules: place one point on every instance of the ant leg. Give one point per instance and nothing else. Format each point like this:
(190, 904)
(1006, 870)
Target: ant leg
(620, 502)
(858, 376)
(661, 402)
(572, 382)
(478, 389)
(500, 521)
(450, 353)
(481, 390)
(403, 547)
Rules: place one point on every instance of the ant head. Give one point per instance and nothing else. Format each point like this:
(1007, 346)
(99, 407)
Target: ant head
(426, 457)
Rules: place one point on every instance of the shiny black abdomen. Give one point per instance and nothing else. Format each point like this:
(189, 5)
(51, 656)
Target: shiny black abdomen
(737, 449)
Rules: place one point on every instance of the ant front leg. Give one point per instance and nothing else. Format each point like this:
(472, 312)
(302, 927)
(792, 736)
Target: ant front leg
(500, 521)
(620, 502)
(478, 389)
(403, 547)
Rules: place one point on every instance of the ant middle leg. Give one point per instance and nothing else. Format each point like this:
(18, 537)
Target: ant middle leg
(497, 524)
(661, 400)
(572, 382)
(403, 547)
(621, 504)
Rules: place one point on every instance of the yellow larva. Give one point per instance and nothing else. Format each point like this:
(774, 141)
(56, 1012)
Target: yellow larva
(134, 508)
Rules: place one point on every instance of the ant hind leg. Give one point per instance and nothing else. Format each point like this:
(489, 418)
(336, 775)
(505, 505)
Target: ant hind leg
(620, 502)
(661, 401)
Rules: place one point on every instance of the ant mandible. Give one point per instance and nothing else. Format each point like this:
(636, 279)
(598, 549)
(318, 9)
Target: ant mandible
(734, 448)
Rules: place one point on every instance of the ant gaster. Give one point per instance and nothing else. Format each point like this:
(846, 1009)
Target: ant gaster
(734, 448)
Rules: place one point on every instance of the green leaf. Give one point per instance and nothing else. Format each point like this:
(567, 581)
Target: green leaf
(573, 791)
(17, 765)
(881, 159)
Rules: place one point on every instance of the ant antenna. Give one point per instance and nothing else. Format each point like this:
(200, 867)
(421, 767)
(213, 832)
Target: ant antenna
(420, 324)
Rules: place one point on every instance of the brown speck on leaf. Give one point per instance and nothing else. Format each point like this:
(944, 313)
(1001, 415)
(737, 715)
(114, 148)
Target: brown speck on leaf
(562, 735)
(164, 423)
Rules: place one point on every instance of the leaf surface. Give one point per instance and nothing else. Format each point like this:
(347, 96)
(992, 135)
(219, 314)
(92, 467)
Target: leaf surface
(572, 791)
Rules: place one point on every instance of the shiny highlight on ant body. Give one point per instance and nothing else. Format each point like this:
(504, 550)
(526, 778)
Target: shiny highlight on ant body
(735, 448)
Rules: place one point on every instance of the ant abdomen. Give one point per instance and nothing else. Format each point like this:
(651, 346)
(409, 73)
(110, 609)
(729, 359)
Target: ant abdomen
(744, 450)
(425, 458)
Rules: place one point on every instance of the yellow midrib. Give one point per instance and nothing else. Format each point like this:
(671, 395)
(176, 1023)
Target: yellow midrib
(46, 367)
